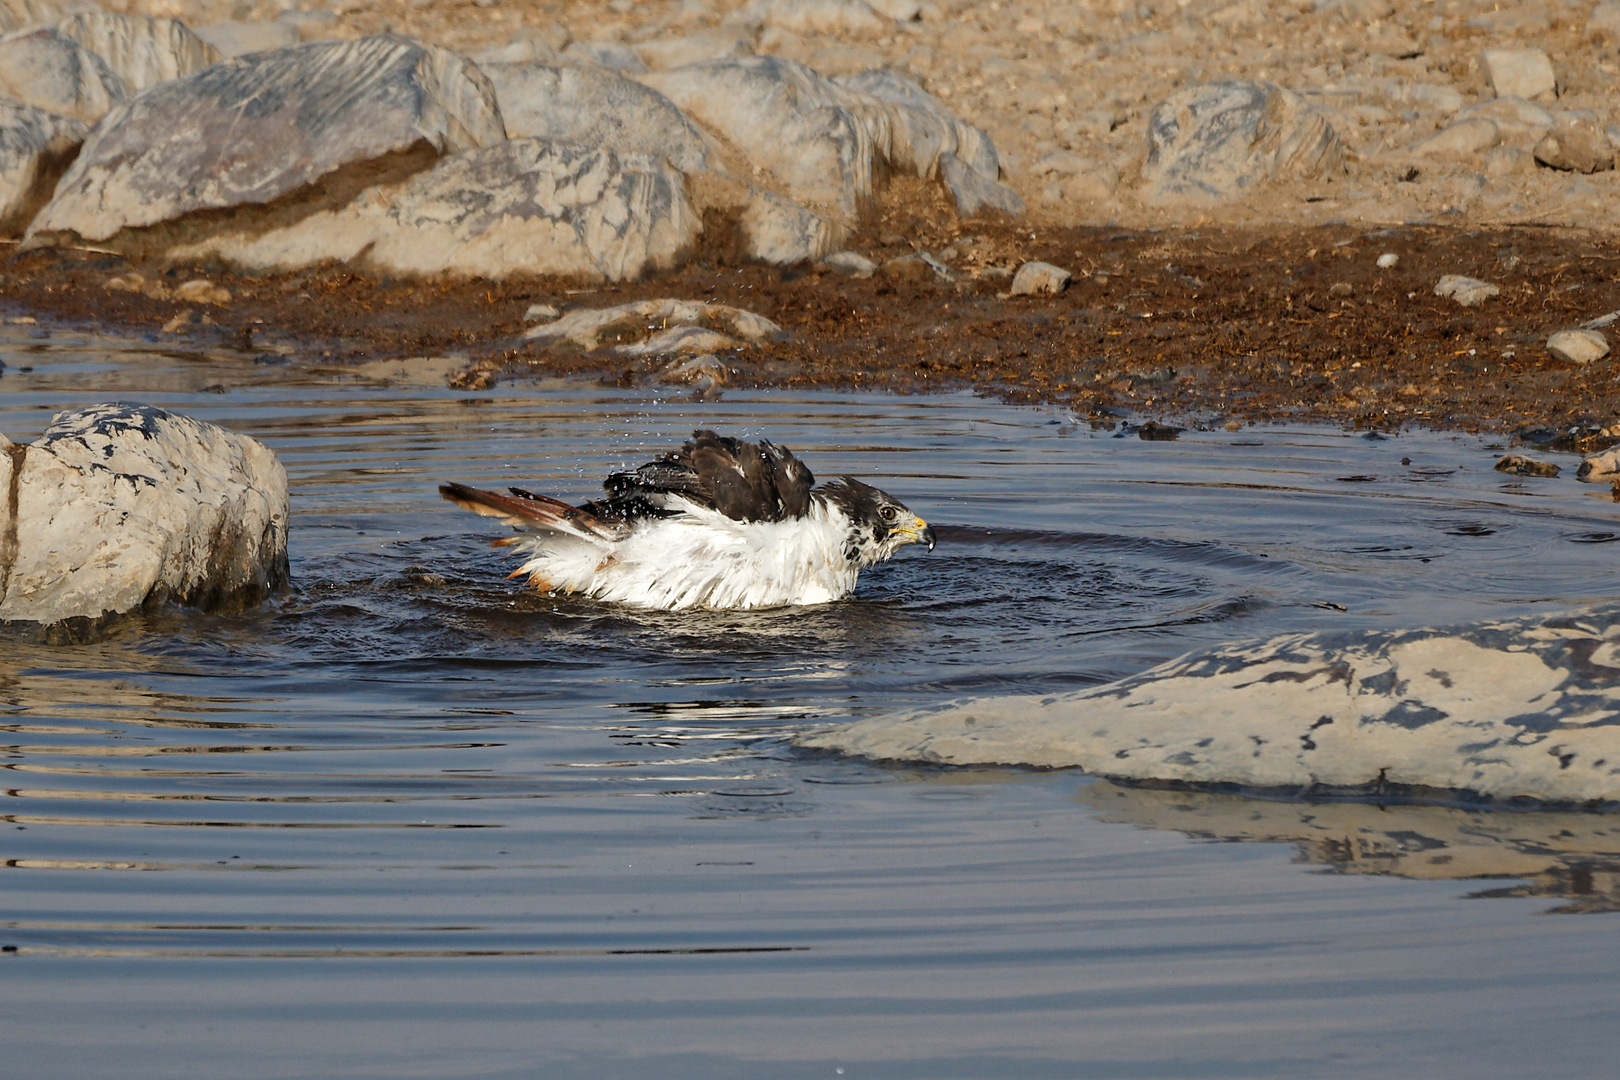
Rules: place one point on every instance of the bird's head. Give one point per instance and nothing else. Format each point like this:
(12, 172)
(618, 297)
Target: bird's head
(880, 523)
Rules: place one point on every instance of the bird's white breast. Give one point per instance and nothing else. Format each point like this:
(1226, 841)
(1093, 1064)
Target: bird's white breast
(701, 558)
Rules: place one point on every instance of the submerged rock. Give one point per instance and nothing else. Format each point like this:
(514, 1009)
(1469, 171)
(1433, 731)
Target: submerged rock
(119, 506)
(1216, 142)
(251, 131)
(35, 149)
(47, 69)
(1522, 709)
(1519, 465)
(143, 51)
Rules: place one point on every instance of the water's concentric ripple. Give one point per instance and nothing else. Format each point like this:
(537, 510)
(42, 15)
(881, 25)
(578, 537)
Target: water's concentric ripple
(407, 760)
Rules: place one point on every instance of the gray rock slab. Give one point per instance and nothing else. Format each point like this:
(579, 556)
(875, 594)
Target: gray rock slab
(1215, 142)
(596, 107)
(525, 206)
(118, 506)
(1514, 709)
(1039, 278)
(35, 149)
(143, 51)
(1522, 73)
(253, 130)
(1577, 147)
(1467, 291)
(234, 39)
(1578, 346)
(45, 68)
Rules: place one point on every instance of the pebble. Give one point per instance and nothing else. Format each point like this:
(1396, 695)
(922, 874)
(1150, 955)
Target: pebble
(1467, 291)
(1036, 278)
(1519, 465)
(541, 313)
(1387, 260)
(1578, 346)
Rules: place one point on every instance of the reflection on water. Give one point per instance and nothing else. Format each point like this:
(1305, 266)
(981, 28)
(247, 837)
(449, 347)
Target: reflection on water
(1569, 855)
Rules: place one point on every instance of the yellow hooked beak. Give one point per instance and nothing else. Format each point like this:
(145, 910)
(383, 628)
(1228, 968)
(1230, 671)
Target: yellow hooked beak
(918, 531)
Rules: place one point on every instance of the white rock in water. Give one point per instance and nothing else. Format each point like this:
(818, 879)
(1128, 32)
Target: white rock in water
(1523, 73)
(1600, 466)
(1466, 291)
(234, 39)
(143, 51)
(1387, 260)
(1578, 346)
(586, 328)
(249, 131)
(35, 149)
(119, 506)
(49, 70)
(1216, 142)
(526, 206)
(1519, 709)
(595, 107)
(1035, 278)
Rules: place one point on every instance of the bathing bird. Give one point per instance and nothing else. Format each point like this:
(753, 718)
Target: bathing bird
(719, 523)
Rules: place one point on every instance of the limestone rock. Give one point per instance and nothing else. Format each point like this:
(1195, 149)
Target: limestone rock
(1215, 142)
(851, 18)
(234, 39)
(850, 264)
(1578, 346)
(143, 51)
(250, 131)
(35, 149)
(1464, 139)
(1578, 147)
(17, 14)
(526, 206)
(119, 506)
(595, 107)
(586, 329)
(1039, 278)
(779, 231)
(1523, 73)
(1520, 123)
(1467, 291)
(49, 70)
(1600, 466)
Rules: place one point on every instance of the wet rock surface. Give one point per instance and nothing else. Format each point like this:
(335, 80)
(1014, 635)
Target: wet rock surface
(118, 506)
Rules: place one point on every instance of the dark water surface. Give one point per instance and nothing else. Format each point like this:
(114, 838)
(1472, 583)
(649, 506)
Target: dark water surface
(409, 820)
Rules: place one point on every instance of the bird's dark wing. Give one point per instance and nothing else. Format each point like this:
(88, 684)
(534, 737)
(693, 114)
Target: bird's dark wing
(744, 481)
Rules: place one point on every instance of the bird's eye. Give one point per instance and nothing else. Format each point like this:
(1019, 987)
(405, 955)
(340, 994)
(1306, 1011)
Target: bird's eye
(888, 513)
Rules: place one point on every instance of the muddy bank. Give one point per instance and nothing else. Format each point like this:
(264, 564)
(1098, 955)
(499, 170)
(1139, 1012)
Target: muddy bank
(1200, 326)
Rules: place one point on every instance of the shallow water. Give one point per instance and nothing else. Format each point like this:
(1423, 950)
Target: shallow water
(409, 820)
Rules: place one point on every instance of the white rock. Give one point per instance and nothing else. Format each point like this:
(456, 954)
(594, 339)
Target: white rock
(1467, 291)
(526, 206)
(143, 51)
(248, 131)
(850, 264)
(1523, 73)
(1463, 139)
(1576, 144)
(586, 328)
(1387, 260)
(1578, 346)
(663, 53)
(1519, 122)
(234, 39)
(541, 313)
(1600, 466)
(35, 149)
(1037, 278)
(17, 14)
(47, 69)
(853, 18)
(595, 107)
(1216, 142)
(119, 506)
(1514, 709)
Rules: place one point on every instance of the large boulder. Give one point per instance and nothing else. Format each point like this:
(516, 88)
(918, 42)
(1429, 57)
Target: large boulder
(35, 149)
(45, 68)
(527, 206)
(141, 50)
(307, 126)
(119, 506)
(1216, 142)
(17, 14)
